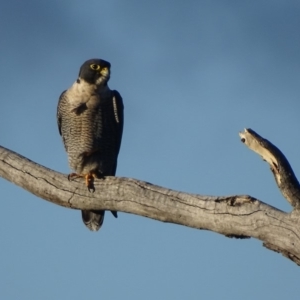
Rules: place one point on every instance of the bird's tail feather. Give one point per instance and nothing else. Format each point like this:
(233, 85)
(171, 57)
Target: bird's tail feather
(93, 219)
(115, 213)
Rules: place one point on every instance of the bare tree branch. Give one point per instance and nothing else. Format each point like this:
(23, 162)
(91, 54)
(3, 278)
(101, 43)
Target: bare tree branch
(280, 167)
(239, 216)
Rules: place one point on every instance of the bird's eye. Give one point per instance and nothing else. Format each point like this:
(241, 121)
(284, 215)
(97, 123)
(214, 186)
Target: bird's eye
(95, 67)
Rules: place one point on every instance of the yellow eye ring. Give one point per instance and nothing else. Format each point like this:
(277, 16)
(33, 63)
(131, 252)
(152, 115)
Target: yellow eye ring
(95, 67)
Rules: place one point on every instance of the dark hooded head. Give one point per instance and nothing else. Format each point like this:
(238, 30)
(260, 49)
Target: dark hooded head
(95, 71)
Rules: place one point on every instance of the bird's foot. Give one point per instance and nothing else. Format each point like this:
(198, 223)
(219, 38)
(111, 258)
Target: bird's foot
(73, 176)
(89, 181)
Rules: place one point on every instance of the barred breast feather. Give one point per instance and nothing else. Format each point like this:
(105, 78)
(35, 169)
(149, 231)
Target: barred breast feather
(91, 123)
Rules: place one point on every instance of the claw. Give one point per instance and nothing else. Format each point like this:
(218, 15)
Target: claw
(89, 181)
(73, 176)
(91, 189)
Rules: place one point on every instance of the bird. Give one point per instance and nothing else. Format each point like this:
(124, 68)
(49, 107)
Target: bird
(90, 121)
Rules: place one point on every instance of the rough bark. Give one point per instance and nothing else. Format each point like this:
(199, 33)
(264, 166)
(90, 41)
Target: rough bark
(280, 167)
(238, 216)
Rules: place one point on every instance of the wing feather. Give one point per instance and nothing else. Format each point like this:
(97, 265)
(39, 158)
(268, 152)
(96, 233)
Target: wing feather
(59, 111)
(119, 117)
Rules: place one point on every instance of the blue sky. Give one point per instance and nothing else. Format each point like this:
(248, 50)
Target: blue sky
(192, 75)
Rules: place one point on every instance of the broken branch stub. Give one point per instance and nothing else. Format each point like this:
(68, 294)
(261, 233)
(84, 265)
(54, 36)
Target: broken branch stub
(280, 167)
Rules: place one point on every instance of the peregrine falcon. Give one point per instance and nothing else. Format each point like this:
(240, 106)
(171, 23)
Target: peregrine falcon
(90, 121)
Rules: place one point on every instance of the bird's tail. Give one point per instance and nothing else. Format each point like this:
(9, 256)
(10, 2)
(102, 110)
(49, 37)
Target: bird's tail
(93, 219)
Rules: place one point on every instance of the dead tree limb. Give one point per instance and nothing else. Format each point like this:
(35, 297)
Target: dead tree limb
(280, 167)
(239, 216)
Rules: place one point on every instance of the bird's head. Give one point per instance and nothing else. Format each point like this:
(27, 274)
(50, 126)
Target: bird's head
(95, 71)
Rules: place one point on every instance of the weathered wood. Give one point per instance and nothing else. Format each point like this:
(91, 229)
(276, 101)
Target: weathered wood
(239, 216)
(280, 167)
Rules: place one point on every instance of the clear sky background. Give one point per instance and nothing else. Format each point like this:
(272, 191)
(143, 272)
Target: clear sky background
(192, 75)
